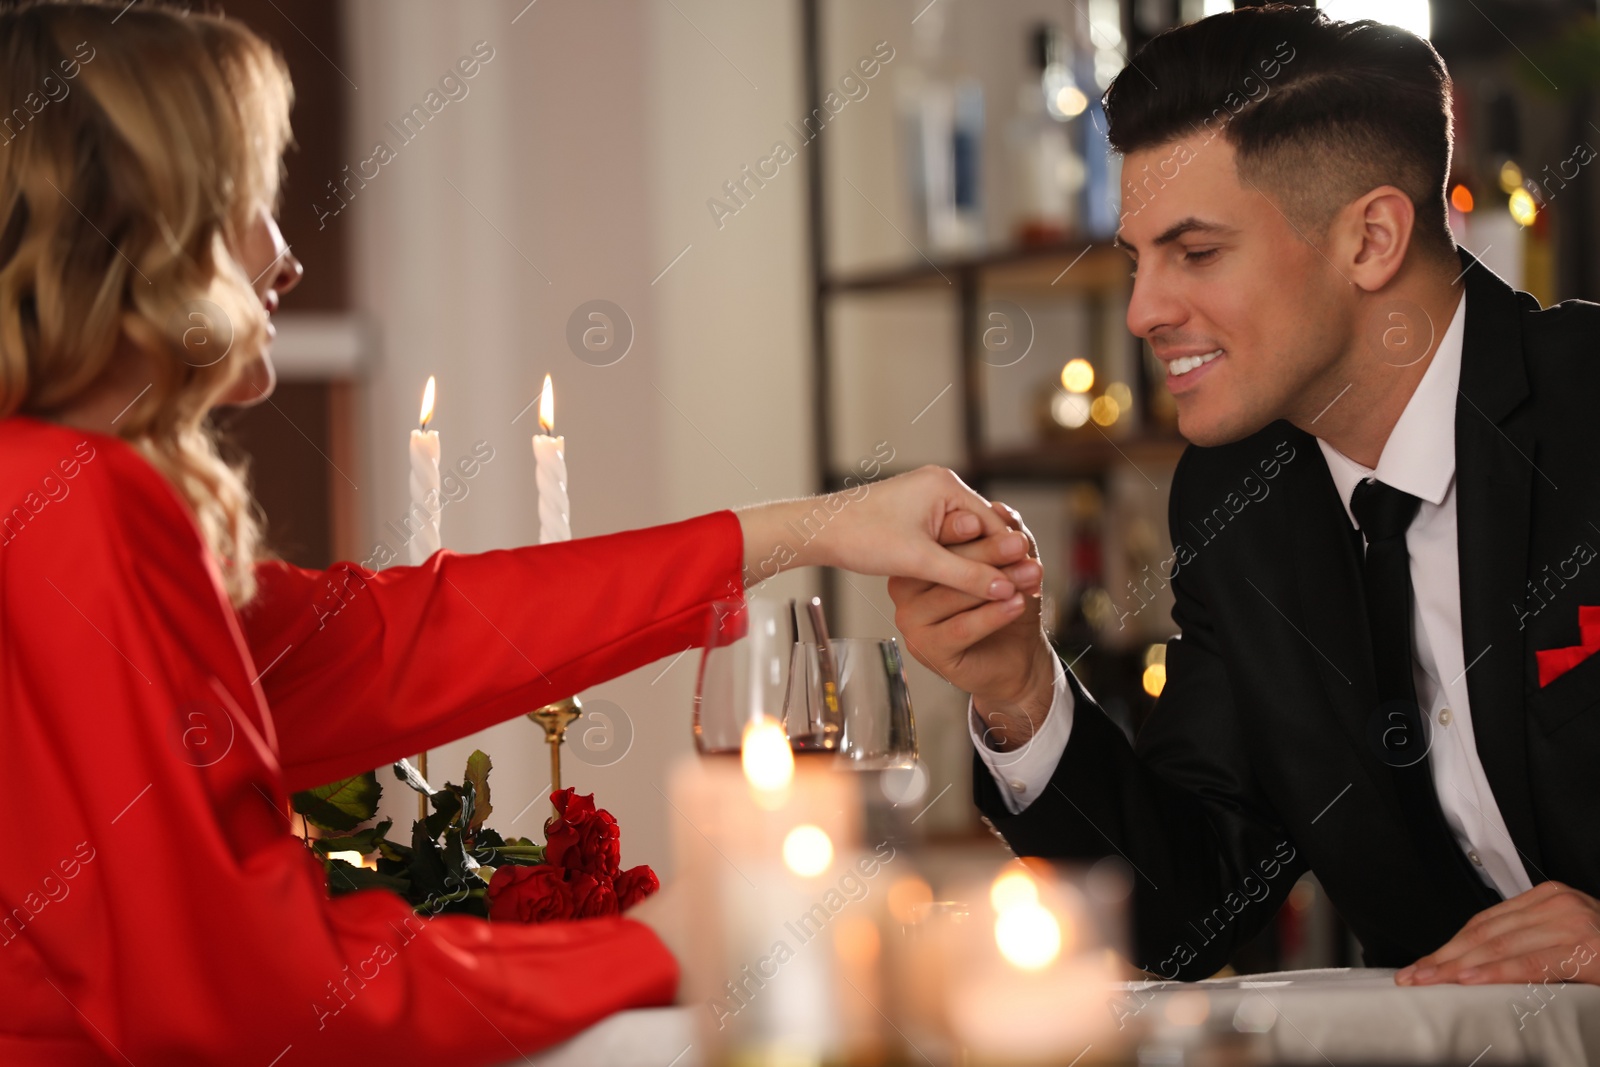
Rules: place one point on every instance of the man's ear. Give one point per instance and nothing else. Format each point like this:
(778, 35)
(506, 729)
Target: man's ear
(1374, 233)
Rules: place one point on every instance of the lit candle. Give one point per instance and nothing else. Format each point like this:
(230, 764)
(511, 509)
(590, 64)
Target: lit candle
(425, 494)
(425, 481)
(549, 453)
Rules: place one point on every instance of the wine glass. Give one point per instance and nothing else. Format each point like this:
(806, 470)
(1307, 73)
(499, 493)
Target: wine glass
(743, 672)
(869, 724)
(846, 696)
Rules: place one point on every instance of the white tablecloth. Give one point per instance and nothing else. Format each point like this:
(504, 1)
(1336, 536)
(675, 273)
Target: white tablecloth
(1342, 1017)
(1348, 1016)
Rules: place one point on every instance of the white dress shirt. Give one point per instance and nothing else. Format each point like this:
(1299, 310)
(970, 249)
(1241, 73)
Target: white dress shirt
(1419, 458)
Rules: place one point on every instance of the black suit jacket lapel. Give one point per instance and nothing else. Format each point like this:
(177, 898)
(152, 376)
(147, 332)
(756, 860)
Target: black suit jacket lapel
(1494, 477)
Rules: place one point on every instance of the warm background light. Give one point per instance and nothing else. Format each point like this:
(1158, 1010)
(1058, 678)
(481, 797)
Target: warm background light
(1413, 15)
(1461, 199)
(1070, 409)
(1013, 889)
(1077, 376)
(1104, 410)
(1155, 669)
(1071, 101)
(807, 850)
(1522, 207)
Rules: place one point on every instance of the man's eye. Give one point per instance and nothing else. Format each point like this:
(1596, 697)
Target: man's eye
(1200, 257)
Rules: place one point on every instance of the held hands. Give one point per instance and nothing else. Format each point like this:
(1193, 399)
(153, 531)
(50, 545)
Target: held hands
(891, 527)
(1551, 933)
(995, 650)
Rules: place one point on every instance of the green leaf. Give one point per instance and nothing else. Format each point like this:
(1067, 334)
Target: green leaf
(517, 855)
(348, 878)
(478, 767)
(341, 806)
(364, 841)
(409, 775)
(393, 852)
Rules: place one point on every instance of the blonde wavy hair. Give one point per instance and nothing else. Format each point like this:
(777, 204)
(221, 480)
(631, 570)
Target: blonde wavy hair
(142, 141)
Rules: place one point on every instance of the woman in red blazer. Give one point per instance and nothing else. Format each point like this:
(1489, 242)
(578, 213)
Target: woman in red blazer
(155, 907)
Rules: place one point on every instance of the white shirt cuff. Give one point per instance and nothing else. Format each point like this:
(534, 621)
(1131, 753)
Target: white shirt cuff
(1023, 773)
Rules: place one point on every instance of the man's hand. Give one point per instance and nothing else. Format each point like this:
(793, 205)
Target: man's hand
(891, 527)
(994, 650)
(1549, 933)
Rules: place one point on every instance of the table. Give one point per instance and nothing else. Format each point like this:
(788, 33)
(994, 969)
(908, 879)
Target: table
(1339, 1016)
(1348, 1015)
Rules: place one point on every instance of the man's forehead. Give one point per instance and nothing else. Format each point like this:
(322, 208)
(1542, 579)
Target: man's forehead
(1180, 187)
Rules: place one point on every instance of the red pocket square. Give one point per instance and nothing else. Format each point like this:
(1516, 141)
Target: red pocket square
(1554, 662)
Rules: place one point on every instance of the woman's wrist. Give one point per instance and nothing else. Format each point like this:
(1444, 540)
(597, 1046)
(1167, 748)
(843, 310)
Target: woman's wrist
(782, 534)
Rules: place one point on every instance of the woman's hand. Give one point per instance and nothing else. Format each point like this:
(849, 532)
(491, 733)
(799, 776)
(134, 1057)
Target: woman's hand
(889, 528)
(997, 651)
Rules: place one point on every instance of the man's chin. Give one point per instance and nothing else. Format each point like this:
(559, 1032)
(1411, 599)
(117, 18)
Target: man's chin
(1208, 428)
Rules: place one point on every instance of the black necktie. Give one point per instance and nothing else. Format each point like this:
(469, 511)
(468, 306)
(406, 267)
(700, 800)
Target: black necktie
(1384, 513)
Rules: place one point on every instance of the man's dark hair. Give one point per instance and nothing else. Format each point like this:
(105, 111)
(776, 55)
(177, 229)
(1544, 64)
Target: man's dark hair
(1318, 112)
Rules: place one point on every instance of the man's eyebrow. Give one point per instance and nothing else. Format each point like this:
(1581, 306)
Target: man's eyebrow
(1175, 231)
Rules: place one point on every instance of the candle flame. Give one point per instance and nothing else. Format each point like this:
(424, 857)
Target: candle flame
(1028, 936)
(767, 759)
(547, 407)
(427, 404)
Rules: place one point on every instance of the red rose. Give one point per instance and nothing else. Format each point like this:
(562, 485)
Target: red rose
(529, 894)
(634, 884)
(591, 896)
(581, 837)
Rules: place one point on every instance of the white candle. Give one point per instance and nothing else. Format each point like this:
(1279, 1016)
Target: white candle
(549, 453)
(425, 482)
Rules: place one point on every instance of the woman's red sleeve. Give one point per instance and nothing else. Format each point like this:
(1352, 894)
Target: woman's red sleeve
(363, 667)
(154, 905)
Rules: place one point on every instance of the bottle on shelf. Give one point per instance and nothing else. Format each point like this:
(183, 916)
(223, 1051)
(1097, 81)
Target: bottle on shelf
(942, 117)
(1048, 168)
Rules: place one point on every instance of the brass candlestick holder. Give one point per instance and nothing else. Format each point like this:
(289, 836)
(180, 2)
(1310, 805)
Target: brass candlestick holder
(555, 718)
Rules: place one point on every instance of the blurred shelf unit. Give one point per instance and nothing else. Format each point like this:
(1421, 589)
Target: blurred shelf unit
(993, 339)
(1000, 290)
(1087, 273)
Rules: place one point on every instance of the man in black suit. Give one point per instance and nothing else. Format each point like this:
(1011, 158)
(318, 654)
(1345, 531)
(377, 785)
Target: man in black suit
(1385, 533)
